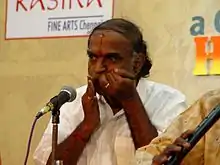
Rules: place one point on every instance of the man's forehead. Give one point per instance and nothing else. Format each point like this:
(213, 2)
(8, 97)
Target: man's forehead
(107, 39)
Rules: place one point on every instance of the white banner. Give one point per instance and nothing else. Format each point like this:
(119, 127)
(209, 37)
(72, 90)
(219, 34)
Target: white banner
(55, 18)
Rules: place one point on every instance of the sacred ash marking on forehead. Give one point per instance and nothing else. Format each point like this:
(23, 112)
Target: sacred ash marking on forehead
(102, 35)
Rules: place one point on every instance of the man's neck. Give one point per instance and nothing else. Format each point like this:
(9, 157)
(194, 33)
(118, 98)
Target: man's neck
(114, 104)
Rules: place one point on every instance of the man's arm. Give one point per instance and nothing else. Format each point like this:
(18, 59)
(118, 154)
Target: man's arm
(76, 126)
(164, 107)
(142, 130)
(71, 149)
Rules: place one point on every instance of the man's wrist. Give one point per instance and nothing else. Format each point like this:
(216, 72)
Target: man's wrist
(84, 131)
(133, 99)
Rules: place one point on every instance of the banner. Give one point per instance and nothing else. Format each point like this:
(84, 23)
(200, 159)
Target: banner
(207, 46)
(55, 18)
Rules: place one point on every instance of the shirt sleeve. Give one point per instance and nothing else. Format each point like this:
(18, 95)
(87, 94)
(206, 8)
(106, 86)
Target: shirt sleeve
(70, 117)
(166, 105)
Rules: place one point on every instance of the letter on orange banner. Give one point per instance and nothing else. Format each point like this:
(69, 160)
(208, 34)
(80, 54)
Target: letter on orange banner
(203, 54)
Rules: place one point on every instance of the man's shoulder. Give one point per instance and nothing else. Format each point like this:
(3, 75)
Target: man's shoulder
(162, 102)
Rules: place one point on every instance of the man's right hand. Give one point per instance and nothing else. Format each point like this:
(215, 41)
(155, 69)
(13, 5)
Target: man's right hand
(90, 106)
(72, 147)
(174, 148)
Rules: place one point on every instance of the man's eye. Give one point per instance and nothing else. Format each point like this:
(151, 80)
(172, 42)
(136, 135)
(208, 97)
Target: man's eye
(92, 57)
(113, 58)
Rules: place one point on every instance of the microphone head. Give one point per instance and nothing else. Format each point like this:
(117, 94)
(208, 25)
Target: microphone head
(71, 91)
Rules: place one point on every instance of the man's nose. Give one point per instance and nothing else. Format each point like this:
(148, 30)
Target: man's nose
(100, 66)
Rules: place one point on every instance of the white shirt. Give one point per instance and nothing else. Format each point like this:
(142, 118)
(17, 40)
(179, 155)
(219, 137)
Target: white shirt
(112, 143)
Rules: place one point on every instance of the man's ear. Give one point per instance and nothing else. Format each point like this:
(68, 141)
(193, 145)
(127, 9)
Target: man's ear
(138, 63)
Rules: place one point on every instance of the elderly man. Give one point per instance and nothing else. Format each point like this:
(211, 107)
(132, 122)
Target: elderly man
(119, 110)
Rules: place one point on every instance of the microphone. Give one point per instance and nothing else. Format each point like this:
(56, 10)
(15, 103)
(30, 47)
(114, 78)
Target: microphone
(200, 131)
(67, 94)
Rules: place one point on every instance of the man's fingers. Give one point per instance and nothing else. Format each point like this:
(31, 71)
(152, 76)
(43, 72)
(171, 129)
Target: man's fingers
(172, 149)
(187, 134)
(111, 78)
(159, 159)
(176, 147)
(124, 73)
(182, 142)
(164, 156)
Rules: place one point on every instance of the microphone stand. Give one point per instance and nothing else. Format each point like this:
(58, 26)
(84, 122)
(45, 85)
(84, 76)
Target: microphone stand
(55, 122)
